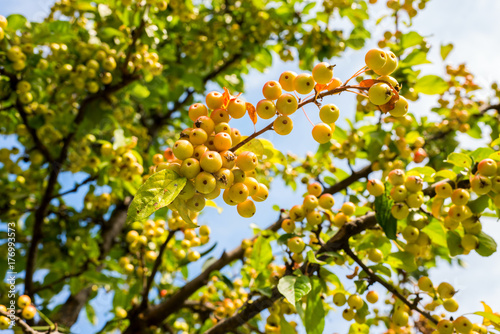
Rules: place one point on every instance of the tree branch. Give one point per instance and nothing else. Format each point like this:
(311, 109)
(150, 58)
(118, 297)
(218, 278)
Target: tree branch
(355, 176)
(149, 283)
(77, 186)
(55, 169)
(386, 285)
(25, 327)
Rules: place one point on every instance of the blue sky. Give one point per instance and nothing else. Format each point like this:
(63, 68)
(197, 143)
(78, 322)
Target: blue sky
(469, 25)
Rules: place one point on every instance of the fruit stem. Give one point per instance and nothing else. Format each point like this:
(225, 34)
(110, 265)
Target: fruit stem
(359, 72)
(305, 110)
(360, 94)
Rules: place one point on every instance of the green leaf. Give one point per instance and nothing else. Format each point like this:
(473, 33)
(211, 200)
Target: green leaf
(445, 50)
(454, 243)
(487, 245)
(311, 258)
(495, 156)
(479, 204)
(416, 57)
(91, 316)
(262, 254)
(402, 260)
(253, 145)
(389, 224)
(411, 39)
(285, 327)
(436, 233)
(16, 21)
(294, 287)
(460, 160)
(482, 153)
(314, 317)
(430, 85)
(446, 174)
(159, 190)
(490, 316)
(140, 91)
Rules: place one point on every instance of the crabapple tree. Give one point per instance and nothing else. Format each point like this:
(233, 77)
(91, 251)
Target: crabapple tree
(111, 98)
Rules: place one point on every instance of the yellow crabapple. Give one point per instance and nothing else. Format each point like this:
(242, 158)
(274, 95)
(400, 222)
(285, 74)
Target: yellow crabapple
(303, 83)
(380, 93)
(266, 109)
(286, 104)
(375, 59)
(329, 113)
(196, 110)
(236, 108)
(322, 73)
(246, 209)
(286, 80)
(214, 100)
(390, 65)
(272, 90)
(283, 125)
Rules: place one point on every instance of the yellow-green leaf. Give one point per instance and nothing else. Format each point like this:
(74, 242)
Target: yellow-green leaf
(159, 190)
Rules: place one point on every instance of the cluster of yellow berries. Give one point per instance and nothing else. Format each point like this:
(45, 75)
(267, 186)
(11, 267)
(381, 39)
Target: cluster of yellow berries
(204, 155)
(385, 91)
(123, 162)
(28, 311)
(276, 312)
(355, 302)
(191, 240)
(282, 105)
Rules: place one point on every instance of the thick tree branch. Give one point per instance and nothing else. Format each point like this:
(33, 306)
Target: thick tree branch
(355, 176)
(55, 169)
(336, 243)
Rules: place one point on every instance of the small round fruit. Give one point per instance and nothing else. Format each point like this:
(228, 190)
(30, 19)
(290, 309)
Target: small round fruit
(266, 109)
(322, 133)
(400, 107)
(400, 318)
(214, 100)
(375, 187)
(326, 201)
(283, 125)
(286, 80)
(390, 65)
(310, 203)
(236, 108)
(211, 161)
(443, 189)
(396, 177)
(460, 196)
(23, 301)
(339, 299)
(390, 80)
(355, 302)
(322, 73)
(410, 233)
(425, 284)
(480, 184)
(487, 167)
(348, 314)
(286, 104)
(329, 113)
(28, 312)
(462, 325)
(120, 313)
(193, 256)
(182, 149)
(445, 290)
(414, 183)
(246, 209)
(261, 194)
(375, 255)
(222, 141)
(348, 208)
(196, 203)
(340, 219)
(198, 136)
(303, 83)
(205, 123)
(4, 322)
(375, 59)
(450, 305)
(247, 161)
(190, 168)
(445, 327)
(196, 110)
(205, 183)
(238, 192)
(272, 90)
(469, 242)
(219, 116)
(296, 244)
(315, 189)
(372, 297)
(380, 93)
(288, 225)
(400, 211)
(314, 218)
